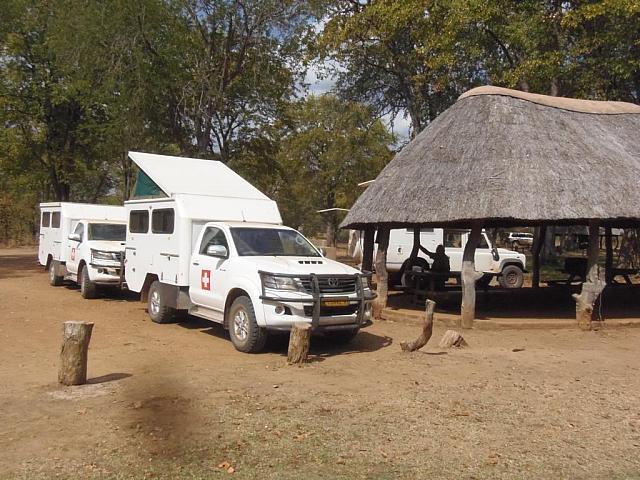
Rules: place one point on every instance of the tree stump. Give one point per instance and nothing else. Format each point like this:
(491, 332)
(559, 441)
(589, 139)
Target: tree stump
(74, 352)
(451, 338)
(299, 341)
(427, 330)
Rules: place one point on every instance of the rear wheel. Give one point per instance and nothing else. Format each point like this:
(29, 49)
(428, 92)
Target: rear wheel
(54, 280)
(246, 335)
(512, 277)
(88, 289)
(159, 312)
(408, 265)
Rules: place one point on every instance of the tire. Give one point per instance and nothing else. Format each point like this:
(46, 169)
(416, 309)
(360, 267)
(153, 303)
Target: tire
(54, 280)
(88, 289)
(512, 277)
(246, 335)
(159, 312)
(408, 264)
(342, 337)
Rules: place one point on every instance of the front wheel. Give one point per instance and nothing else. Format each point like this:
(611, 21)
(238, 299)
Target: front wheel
(246, 335)
(159, 312)
(512, 277)
(88, 289)
(54, 280)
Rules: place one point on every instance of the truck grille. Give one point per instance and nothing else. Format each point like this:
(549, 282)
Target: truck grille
(332, 311)
(331, 284)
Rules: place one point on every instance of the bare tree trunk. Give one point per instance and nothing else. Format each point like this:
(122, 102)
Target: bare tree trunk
(595, 281)
(427, 330)
(367, 249)
(608, 265)
(470, 277)
(299, 341)
(538, 242)
(74, 353)
(380, 302)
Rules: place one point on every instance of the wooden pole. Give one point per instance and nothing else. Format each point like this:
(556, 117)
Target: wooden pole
(608, 264)
(470, 277)
(380, 303)
(427, 330)
(74, 352)
(594, 283)
(538, 243)
(299, 341)
(367, 250)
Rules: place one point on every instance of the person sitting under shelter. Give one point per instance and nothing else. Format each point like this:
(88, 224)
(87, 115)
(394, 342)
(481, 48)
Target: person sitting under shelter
(439, 265)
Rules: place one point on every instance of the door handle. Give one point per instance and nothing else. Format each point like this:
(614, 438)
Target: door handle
(196, 263)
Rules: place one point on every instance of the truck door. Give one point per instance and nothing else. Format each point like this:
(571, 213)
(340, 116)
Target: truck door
(73, 247)
(208, 276)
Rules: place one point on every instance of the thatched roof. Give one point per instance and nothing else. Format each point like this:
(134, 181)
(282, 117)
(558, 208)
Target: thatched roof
(512, 158)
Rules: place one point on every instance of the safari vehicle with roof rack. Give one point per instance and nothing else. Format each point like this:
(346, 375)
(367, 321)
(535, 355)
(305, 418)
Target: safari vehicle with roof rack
(208, 243)
(83, 243)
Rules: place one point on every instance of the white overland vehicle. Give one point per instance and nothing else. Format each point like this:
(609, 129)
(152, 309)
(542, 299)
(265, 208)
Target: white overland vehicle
(507, 265)
(206, 242)
(83, 243)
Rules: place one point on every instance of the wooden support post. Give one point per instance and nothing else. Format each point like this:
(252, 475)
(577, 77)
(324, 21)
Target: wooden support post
(415, 249)
(367, 250)
(299, 341)
(608, 264)
(594, 283)
(74, 352)
(538, 243)
(380, 302)
(427, 330)
(469, 277)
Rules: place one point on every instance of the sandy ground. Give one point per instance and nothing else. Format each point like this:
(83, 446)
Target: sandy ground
(175, 401)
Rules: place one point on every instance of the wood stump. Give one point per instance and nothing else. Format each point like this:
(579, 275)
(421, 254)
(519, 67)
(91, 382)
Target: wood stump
(469, 277)
(427, 330)
(451, 338)
(595, 281)
(74, 353)
(299, 341)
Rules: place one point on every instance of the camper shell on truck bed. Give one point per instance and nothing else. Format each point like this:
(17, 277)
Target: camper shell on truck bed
(201, 239)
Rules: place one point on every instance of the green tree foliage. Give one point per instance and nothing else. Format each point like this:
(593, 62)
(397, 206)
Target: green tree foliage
(327, 148)
(417, 56)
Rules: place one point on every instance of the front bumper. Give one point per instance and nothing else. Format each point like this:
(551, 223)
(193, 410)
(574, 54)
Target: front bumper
(282, 310)
(105, 273)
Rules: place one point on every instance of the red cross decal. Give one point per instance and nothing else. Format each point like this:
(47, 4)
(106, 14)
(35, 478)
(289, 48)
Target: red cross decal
(205, 280)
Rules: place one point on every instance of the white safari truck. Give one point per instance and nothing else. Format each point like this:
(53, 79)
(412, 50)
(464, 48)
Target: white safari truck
(202, 240)
(83, 243)
(508, 266)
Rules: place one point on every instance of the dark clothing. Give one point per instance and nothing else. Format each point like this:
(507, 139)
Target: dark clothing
(440, 265)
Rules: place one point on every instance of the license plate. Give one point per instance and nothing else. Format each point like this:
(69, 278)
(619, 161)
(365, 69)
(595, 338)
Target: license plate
(336, 302)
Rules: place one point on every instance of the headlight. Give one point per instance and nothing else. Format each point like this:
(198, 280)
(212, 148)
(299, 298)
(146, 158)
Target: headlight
(282, 283)
(100, 255)
(364, 283)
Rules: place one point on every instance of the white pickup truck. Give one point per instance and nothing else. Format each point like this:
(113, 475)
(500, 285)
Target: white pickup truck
(508, 266)
(83, 243)
(208, 243)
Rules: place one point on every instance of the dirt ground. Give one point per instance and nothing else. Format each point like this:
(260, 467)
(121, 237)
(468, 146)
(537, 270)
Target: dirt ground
(176, 401)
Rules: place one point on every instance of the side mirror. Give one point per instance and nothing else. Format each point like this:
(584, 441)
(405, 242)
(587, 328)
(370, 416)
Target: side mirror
(75, 237)
(217, 251)
(495, 254)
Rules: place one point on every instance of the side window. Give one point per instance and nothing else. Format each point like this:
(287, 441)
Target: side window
(139, 221)
(162, 220)
(55, 220)
(452, 240)
(80, 230)
(213, 236)
(46, 219)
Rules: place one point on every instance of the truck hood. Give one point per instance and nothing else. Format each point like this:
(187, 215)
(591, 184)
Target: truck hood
(106, 246)
(300, 265)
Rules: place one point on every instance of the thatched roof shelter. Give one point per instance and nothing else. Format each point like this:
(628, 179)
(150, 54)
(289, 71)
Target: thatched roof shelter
(512, 158)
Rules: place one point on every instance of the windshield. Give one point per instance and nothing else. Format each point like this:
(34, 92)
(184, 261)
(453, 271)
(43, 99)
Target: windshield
(107, 231)
(271, 242)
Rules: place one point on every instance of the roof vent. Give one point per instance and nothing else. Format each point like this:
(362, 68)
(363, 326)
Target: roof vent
(310, 262)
